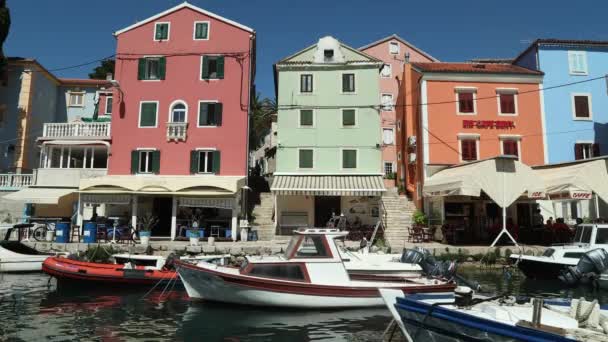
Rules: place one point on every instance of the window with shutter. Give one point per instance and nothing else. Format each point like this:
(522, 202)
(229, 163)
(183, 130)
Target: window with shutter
(134, 162)
(155, 162)
(305, 159)
(148, 114)
(210, 114)
(306, 118)
(388, 136)
(577, 62)
(306, 85)
(348, 83)
(349, 118)
(151, 68)
(387, 102)
(393, 48)
(205, 161)
(582, 106)
(108, 108)
(466, 102)
(386, 70)
(194, 161)
(349, 159)
(510, 147)
(145, 161)
(468, 149)
(212, 67)
(201, 30)
(161, 31)
(507, 103)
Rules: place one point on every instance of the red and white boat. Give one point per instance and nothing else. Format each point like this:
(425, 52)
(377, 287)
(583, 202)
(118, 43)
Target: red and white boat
(311, 274)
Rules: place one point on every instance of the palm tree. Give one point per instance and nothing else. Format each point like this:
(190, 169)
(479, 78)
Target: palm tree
(262, 112)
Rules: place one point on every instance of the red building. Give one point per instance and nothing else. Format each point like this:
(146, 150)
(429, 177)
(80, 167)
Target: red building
(179, 122)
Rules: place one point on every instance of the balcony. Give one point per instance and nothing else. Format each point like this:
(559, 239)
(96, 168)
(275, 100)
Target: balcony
(12, 181)
(176, 131)
(65, 177)
(77, 130)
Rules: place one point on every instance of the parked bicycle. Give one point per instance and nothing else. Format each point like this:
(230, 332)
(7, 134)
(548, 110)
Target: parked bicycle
(40, 230)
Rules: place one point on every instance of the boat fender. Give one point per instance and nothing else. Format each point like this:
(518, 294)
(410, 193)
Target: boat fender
(128, 266)
(463, 296)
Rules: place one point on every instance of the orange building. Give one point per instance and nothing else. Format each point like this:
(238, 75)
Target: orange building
(462, 112)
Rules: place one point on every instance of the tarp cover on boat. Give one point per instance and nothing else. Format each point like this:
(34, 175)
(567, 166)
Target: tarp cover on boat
(40, 195)
(576, 178)
(363, 185)
(504, 179)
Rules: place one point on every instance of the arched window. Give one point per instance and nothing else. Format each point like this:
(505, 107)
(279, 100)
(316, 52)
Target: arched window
(178, 112)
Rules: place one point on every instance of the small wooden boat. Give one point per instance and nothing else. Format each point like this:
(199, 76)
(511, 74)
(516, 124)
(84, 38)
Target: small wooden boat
(65, 269)
(311, 274)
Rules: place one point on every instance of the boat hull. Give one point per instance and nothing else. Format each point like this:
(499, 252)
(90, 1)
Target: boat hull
(206, 284)
(66, 270)
(535, 269)
(12, 261)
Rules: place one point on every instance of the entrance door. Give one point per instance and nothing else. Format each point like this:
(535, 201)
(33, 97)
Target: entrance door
(325, 207)
(161, 207)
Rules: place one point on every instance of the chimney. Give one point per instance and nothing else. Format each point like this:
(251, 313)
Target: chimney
(109, 76)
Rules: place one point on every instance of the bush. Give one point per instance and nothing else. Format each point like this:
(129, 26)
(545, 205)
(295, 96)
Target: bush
(419, 218)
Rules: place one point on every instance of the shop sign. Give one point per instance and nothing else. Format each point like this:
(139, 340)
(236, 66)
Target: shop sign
(536, 195)
(578, 195)
(498, 124)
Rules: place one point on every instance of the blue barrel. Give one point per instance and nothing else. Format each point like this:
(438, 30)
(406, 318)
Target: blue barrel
(90, 232)
(62, 232)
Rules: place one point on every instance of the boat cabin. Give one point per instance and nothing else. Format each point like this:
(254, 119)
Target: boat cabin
(591, 234)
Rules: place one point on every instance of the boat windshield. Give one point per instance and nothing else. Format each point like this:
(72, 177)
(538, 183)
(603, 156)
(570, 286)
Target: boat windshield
(292, 245)
(583, 234)
(602, 236)
(312, 247)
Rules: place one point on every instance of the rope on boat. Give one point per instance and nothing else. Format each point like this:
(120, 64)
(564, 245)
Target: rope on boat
(152, 289)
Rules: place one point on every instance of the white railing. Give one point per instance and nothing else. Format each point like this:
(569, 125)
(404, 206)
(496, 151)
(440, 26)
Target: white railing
(15, 181)
(77, 130)
(176, 131)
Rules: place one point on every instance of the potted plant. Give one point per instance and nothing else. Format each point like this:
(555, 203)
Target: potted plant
(419, 218)
(194, 233)
(147, 222)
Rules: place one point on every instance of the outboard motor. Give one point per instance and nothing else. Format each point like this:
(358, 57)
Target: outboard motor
(434, 268)
(589, 267)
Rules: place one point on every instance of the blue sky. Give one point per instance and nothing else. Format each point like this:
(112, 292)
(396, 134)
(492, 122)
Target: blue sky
(61, 33)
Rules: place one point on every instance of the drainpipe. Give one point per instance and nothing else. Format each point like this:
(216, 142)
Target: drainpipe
(251, 61)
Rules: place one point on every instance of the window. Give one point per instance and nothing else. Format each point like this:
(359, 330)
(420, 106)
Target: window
(76, 99)
(577, 62)
(388, 168)
(349, 159)
(586, 150)
(108, 105)
(388, 136)
(349, 118)
(152, 68)
(581, 106)
(393, 48)
(510, 147)
(387, 70)
(468, 149)
(205, 161)
(145, 161)
(307, 118)
(507, 102)
(466, 101)
(290, 272)
(148, 114)
(387, 102)
(312, 247)
(212, 67)
(178, 112)
(201, 30)
(161, 31)
(348, 83)
(306, 83)
(601, 237)
(209, 114)
(305, 159)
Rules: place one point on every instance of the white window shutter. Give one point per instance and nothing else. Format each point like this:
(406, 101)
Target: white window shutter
(572, 62)
(388, 136)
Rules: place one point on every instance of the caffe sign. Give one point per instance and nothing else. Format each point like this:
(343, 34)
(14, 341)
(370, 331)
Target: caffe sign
(573, 194)
(491, 124)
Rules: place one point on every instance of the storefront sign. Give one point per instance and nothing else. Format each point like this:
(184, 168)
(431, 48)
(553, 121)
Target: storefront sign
(537, 195)
(578, 195)
(498, 124)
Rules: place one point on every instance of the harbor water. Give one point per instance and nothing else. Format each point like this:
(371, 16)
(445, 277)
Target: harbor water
(34, 309)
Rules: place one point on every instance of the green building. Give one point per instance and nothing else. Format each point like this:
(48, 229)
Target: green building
(328, 159)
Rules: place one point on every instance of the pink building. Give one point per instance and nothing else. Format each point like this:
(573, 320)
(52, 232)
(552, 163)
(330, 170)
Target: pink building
(393, 50)
(179, 123)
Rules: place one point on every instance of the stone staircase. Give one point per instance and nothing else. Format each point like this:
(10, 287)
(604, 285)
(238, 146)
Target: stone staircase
(399, 210)
(263, 212)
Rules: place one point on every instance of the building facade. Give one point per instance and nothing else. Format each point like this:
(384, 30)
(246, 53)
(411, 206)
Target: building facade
(180, 122)
(328, 159)
(393, 51)
(577, 124)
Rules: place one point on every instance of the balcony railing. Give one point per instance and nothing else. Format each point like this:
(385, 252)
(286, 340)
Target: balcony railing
(13, 181)
(176, 131)
(77, 130)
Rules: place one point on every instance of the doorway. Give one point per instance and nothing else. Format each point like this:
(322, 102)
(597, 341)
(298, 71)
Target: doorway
(161, 207)
(325, 207)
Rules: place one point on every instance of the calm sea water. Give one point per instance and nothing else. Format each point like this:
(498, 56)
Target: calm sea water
(31, 309)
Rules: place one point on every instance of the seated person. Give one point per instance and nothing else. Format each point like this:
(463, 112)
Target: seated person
(562, 231)
(513, 229)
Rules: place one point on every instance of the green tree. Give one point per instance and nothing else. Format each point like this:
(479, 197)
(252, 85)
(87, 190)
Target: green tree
(5, 24)
(262, 111)
(100, 72)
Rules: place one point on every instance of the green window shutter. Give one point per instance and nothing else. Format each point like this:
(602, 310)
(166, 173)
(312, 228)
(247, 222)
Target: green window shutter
(162, 67)
(203, 114)
(194, 161)
(216, 162)
(344, 83)
(134, 161)
(147, 117)
(205, 68)
(202, 30)
(349, 159)
(141, 69)
(218, 114)
(220, 67)
(155, 162)
(306, 117)
(305, 159)
(348, 117)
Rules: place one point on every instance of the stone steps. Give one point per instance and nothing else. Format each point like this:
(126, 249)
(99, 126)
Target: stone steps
(399, 211)
(263, 217)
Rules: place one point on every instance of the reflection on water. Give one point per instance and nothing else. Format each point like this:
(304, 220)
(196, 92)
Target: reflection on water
(31, 310)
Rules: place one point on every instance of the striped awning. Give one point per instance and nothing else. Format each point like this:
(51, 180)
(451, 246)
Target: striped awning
(328, 185)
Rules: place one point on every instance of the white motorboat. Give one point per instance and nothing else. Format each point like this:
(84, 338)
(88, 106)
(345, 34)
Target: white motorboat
(460, 316)
(17, 257)
(558, 257)
(378, 266)
(311, 274)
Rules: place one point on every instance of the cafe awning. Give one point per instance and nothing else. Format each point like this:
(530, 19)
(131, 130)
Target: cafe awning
(576, 180)
(504, 179)
(205, 185)
(355, 185)
(40, 195)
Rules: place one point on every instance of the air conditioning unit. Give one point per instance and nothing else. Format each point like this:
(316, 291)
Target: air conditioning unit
(411, 158)
(411, 141)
